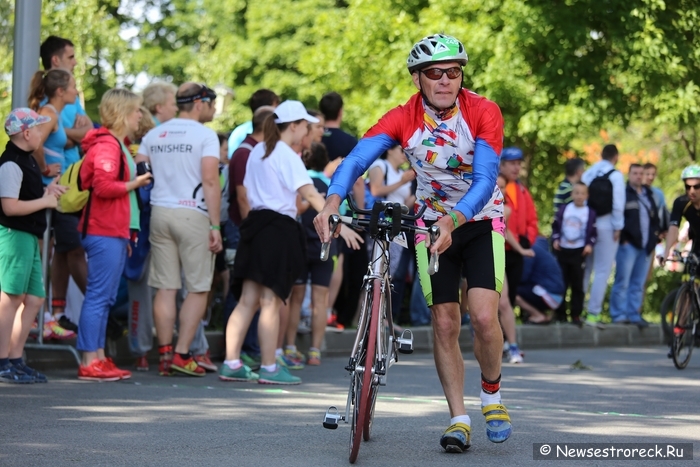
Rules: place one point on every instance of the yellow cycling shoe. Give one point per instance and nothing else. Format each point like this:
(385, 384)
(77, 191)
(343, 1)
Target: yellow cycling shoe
(498, 426)
(457, 438)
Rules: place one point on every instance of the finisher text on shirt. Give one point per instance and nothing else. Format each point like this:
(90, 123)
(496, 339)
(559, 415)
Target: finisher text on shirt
(170, 148)
(176, 149)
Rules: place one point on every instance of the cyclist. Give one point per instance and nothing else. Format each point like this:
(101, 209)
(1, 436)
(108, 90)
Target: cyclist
(685, 206)
(453, 138)
(688, 206)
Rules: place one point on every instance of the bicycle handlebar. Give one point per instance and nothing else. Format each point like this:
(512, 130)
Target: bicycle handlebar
(677, 257)
(434, 232)
(404, 210)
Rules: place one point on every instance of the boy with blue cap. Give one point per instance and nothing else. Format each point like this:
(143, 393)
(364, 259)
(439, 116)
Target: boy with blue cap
(23, 201)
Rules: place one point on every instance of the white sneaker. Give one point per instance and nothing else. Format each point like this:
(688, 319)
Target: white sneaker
(515, 357)
(304, 326)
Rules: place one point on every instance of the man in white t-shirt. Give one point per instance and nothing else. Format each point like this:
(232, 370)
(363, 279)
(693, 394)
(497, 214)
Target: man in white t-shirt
(185, 223)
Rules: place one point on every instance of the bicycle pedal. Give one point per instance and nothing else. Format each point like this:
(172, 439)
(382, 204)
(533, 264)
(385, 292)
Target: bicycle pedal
(405, 342)
(331, 419)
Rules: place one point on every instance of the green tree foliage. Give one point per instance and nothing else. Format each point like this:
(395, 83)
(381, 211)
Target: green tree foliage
(92, 25)
(561, 70)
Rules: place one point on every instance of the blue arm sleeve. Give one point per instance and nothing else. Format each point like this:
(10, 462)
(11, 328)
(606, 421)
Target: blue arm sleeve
(485, 171)
(358, 161)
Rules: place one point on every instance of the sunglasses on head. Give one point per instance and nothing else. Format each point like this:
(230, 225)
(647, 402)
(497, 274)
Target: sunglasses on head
(696, 187)
(436, 73)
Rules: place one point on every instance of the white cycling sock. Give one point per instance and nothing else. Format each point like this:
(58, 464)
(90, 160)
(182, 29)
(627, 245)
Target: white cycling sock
(271, 368)
(278, 353)
(233, 364)
(488, 399)
(461, 419)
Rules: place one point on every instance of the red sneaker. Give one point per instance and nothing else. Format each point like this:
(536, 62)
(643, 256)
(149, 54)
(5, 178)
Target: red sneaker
(142, 364)
(98, 371)
(188, 366)
(166, 360)
(333, 325)
(205, 362)
(125, 374)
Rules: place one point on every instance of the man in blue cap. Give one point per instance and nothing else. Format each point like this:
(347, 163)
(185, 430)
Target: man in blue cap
(523, 218)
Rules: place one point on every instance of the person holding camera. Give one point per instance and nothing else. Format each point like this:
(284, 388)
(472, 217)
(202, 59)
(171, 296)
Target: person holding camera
(109, 219)
(185, 221)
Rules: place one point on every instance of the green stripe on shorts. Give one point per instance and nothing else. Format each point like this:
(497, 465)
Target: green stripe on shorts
(499, 259)
(423, 276)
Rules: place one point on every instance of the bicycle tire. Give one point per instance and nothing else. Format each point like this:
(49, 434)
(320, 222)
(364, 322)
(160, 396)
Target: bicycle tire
(374, 388)
(683, 333)
(666, 312)
(362, 395)
(355, 415)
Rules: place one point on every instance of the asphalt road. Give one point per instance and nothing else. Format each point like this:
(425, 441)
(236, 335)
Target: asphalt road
(629, 395)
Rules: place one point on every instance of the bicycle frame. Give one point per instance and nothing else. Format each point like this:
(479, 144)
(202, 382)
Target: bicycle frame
(375, 348)
(378, 268)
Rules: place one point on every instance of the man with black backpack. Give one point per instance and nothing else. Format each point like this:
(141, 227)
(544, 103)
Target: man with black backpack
(606, 196)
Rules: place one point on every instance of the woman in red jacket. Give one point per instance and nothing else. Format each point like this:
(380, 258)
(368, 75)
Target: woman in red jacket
(112, 213)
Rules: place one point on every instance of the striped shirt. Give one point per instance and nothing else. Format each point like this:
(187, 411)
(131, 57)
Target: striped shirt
(563, 195)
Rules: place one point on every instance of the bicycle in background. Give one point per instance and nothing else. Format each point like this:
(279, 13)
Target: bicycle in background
(686, 312)
(376, 347)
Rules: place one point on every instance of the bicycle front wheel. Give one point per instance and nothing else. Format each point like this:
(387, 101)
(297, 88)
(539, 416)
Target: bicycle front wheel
(666, 311)
(374, 386)
(683, 326)
(363, 380)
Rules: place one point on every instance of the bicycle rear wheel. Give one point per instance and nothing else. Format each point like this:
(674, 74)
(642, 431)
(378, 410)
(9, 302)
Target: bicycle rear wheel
(374, 386)
(363, 382)
(666, 311)
(683, 327)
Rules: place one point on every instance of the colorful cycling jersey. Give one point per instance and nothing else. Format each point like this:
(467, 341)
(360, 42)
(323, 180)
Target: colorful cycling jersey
(455, 157)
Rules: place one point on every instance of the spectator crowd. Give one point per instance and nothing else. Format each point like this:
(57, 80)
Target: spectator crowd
(152, 209)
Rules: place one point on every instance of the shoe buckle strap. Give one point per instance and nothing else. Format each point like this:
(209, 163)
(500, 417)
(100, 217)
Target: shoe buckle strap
(493, 408)
(459, 426)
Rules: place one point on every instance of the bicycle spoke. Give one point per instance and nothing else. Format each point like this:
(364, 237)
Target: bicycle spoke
(684, 314)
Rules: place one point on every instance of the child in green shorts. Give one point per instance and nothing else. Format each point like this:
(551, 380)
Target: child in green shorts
(23, 201)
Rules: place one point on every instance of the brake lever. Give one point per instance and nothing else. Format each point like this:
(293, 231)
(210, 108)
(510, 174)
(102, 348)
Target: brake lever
(333, 223)
(434, 264)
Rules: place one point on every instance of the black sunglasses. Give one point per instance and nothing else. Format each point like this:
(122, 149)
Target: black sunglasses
(435, 74)
(696, 187)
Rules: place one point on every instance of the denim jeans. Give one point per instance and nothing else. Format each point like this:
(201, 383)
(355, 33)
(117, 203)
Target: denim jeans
(632, 266)
(106, 261)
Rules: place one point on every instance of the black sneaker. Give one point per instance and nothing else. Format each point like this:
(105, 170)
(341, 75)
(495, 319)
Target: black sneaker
(38, 377)
(65, 323)
(10, 374)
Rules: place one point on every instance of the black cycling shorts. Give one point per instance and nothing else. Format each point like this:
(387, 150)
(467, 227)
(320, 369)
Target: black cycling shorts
(320, 272)
(477, 253)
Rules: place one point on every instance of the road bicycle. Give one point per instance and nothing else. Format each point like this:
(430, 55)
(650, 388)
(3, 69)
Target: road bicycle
(376, 347)
(686, 313)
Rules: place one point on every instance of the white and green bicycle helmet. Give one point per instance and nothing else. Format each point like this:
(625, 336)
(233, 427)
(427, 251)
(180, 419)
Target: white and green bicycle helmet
(436, 49)
(692, 171)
